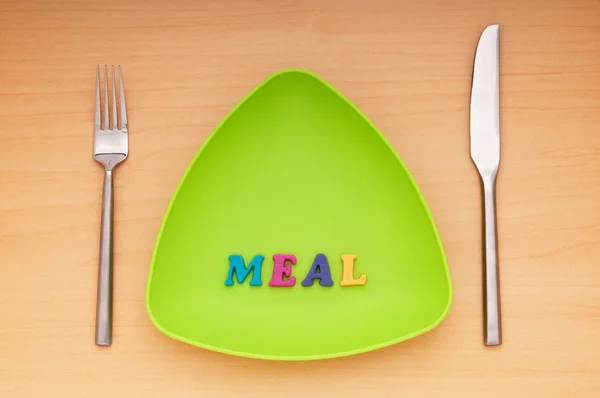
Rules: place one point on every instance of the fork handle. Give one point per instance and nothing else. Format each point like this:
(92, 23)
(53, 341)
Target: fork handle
(105, 272)
(493, 324)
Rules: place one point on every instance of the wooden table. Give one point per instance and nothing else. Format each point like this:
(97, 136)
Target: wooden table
(407, 65)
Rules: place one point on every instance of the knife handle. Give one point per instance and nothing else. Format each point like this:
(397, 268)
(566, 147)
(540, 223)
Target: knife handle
(491, 290)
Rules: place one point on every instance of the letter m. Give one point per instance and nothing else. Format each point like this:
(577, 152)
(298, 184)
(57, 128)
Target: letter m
(236, 264)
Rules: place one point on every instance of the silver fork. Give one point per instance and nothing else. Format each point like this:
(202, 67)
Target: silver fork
(110, 148)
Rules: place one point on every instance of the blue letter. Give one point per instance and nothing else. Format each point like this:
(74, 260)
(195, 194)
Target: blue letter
(320, 270)
(236, 263)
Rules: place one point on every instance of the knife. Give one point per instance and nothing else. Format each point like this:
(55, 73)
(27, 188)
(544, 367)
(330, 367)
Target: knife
(485, 152)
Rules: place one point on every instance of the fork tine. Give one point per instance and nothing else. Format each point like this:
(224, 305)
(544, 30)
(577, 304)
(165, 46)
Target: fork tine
(106, 127)
(114, 101)
(97, 107)
(123, 114)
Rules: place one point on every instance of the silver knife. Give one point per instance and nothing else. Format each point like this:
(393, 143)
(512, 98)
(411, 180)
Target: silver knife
(485, 152)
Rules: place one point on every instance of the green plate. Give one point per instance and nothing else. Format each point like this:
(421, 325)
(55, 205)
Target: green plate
(296, 169)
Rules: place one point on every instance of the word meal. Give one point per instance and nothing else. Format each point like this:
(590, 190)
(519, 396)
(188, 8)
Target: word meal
(282, 271)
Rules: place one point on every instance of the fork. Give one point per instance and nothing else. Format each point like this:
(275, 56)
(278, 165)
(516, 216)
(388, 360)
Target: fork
(110, 148)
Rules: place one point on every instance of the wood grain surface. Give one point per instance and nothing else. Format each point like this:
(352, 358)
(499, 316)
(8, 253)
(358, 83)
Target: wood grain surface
(407, 64)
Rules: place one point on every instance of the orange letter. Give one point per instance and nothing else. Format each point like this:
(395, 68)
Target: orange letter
(348, 274)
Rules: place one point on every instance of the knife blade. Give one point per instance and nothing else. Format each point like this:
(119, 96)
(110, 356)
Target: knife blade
(485, 152)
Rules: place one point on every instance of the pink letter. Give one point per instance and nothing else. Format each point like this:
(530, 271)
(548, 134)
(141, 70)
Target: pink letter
(281, 268)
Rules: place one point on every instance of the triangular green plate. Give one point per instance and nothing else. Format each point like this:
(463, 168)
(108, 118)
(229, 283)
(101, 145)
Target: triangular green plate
(296, 169)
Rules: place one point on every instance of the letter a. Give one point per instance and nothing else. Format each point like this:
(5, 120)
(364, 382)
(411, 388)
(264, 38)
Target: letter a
(319, 270)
